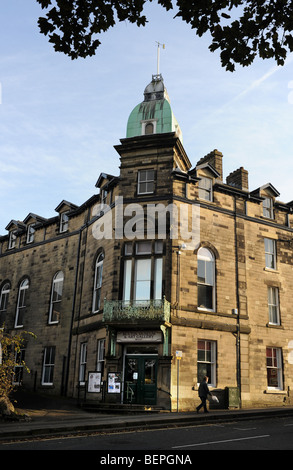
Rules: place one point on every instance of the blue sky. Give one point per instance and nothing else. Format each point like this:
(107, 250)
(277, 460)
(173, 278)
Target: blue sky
(59, 119)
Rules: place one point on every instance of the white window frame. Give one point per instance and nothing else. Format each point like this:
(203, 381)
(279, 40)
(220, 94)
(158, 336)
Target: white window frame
(48, 365)
(98, 282)
(268, 207)
(151, 277)
(211, 363)
(30, 235)
(270, 253)
(18, 368)
(101, 355)
(4, 295)
(205, 188)
(64, 222)
(276, 365)
(12, 239)
(144, 125)
(206, 255)
(144, 177)
(82, 363)
(56, 296)
(21, 304)
(273, 305)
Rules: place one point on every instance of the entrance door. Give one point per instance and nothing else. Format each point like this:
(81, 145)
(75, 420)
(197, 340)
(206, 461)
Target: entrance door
(141, 379)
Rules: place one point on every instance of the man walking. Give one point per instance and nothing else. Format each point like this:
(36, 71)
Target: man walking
(203, 392)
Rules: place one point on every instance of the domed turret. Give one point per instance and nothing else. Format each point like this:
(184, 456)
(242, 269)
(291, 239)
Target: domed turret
(154, 115)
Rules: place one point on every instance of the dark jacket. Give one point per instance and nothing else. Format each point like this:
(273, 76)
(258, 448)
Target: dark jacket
(203, 390)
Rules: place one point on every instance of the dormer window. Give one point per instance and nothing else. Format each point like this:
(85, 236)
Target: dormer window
(146, 181)
(64, 219)
(268, 208)
(148, 127)
(30, 236)
(104, 194)
(205, 187)
(12, 239)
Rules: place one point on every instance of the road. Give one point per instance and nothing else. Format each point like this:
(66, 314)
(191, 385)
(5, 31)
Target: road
(259, 434)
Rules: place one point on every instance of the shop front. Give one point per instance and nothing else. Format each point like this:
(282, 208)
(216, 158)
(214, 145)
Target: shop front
(140, 365)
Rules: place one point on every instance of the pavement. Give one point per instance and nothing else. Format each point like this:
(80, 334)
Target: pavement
(43, 416)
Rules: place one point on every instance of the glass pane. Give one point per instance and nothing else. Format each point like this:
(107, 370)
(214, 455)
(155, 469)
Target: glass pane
(150, 187)
(158, 278)
(272, 375)
(201, 271)
(99, 274)
(142, 187)
(127, 280)
(205, 297)
(57, 291)
(209, 273)
(131, 370)
(144, 248)
(150, 371)
(202, 371)
(143, 270)
(142, 291)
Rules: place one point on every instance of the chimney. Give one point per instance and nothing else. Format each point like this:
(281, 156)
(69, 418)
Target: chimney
(214, 158)
(238, 179)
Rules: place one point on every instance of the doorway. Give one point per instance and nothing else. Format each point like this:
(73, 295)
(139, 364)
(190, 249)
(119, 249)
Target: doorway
(141, 379)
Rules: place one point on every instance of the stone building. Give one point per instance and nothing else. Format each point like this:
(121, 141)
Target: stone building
(165, 275)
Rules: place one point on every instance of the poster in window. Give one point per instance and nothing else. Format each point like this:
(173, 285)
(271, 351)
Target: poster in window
(114, 382)
(94, 382)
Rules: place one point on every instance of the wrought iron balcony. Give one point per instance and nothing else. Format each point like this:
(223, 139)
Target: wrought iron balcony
(136, 310)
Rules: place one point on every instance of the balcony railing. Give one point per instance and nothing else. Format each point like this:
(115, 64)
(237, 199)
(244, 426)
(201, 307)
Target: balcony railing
(144, 310)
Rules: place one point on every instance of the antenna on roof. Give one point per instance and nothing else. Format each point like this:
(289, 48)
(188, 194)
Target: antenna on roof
(158, 56)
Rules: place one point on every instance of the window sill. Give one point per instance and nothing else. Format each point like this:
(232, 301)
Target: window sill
(273, 325)
(270, 270)
(275, 392)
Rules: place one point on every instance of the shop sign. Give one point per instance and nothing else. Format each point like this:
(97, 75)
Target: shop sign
(146, 336)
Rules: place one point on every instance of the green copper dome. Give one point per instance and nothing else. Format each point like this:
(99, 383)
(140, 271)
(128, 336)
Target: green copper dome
(154, 115)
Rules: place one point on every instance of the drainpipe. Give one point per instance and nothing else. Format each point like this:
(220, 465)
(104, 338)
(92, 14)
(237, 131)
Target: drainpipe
(238, 357)
(72, 312)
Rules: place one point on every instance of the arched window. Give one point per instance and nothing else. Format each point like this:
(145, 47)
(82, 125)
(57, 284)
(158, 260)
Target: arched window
(205, 279)
(98, 282)
(4, 294)
(56, 297)
(149, 128)
(21, 303)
